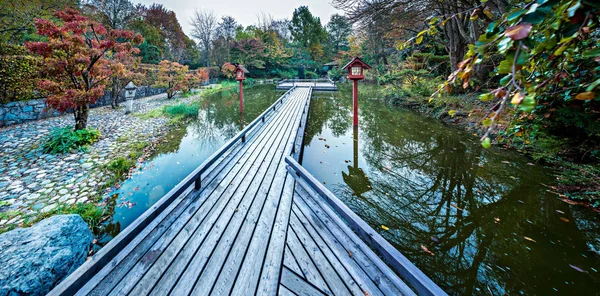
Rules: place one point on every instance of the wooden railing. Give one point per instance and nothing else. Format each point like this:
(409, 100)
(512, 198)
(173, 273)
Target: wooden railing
(85, 272)
(406, 269)
(313, 81)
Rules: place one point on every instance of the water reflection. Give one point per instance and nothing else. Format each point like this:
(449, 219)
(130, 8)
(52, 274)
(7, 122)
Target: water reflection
(181, 151)
(485, 215)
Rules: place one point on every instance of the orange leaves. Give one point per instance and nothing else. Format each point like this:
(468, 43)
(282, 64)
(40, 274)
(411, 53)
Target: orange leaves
(585, 96)
(518, 32)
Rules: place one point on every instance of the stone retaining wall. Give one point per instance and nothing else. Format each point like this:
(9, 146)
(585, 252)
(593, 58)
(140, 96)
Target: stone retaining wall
(19, 112)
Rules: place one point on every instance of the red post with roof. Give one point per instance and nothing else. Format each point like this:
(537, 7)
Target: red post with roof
(356, 69)
(240, 75)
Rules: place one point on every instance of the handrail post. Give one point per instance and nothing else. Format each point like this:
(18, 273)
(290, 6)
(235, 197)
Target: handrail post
(198, 182)
(244, 138)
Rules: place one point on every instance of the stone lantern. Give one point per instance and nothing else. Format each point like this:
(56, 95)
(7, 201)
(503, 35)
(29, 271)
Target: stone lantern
(356, 69)
(130, 90)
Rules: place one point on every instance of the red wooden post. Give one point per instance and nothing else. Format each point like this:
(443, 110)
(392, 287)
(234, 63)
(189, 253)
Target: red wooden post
(355, 101)
(241, 97)
(355, 73)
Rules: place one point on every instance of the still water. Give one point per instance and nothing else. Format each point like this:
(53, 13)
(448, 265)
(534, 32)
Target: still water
(478, 222)
(183, 150)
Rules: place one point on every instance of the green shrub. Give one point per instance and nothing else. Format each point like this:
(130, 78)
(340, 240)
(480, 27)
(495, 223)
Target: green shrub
(182, 110)
(311, 75)
(19, 73)
(120, 166)
(63, 140)
(335, 74)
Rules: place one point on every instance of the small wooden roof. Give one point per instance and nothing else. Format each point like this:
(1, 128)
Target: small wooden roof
(242, 67)
(357, 60)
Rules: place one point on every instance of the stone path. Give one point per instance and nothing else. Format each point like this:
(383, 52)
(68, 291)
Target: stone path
(32, 182)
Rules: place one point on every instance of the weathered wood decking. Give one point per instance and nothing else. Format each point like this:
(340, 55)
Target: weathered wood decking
(255, 224)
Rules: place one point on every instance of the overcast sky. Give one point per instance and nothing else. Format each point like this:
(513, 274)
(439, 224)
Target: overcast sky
(244, 11)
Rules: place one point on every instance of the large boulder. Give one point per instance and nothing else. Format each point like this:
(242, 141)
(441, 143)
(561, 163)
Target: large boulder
(34, 260)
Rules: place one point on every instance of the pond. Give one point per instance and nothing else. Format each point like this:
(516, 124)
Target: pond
(182, 151)
(478, 222)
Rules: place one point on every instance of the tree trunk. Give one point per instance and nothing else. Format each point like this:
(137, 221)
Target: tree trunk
(81, 116)
(114, 103)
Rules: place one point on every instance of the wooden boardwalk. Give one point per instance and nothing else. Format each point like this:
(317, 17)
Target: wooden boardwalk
(255, 223)
(315, 84)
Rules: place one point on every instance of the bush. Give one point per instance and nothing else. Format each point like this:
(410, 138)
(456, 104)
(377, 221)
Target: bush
(335, 74)
(311, 75)
(182, 110)
(19, 73)
(120, 166)
(63, 140)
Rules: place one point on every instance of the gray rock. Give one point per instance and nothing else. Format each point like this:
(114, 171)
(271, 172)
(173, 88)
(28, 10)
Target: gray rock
(41, 256)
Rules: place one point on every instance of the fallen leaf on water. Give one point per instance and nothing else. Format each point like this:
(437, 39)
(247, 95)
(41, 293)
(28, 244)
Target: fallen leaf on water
(384, 227)
(560, 212)
(530, 239)
(506, 162)
(424, 248)
(497, 220)
(349, 253)
(435, 239)
(454, 205)
(564, 219)
(577, 268)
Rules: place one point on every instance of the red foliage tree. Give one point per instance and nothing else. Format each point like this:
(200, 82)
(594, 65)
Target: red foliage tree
(79, 57)
(196, 78)
(228, 70)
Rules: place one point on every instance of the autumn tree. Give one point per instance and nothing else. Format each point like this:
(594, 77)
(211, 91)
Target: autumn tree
(228, 70)
(196, 78)
(338, 31)
(172, 76)
(76, 60)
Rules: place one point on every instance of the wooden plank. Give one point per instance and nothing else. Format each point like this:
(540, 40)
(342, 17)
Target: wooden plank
(421, 283)
(352, 275)
(200, 214)
(226, 258)
(290, 261)
(311, 272)
(330, 274)
(337, 239)
(283, 291)
(298, 285)
(265, 254)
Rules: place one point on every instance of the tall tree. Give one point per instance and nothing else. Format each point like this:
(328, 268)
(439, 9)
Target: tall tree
(307, 30)
(204, 24)
(338, 31)
(76, 58)
(226, 31)
(115, 14)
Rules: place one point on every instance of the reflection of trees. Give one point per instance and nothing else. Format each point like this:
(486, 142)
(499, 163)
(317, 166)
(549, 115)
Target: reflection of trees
(331, 112)
(435, 187)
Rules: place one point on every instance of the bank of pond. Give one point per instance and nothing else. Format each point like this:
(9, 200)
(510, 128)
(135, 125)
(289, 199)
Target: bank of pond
(476, 221)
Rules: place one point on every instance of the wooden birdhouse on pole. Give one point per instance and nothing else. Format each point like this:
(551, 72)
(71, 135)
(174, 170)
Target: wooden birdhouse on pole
(240, 75)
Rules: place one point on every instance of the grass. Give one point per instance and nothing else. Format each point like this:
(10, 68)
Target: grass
(181, 110)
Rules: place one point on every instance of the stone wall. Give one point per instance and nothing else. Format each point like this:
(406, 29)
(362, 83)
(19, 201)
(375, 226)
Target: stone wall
(19, 112)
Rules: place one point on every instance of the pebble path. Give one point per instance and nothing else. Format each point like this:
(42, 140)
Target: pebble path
(32, 182)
